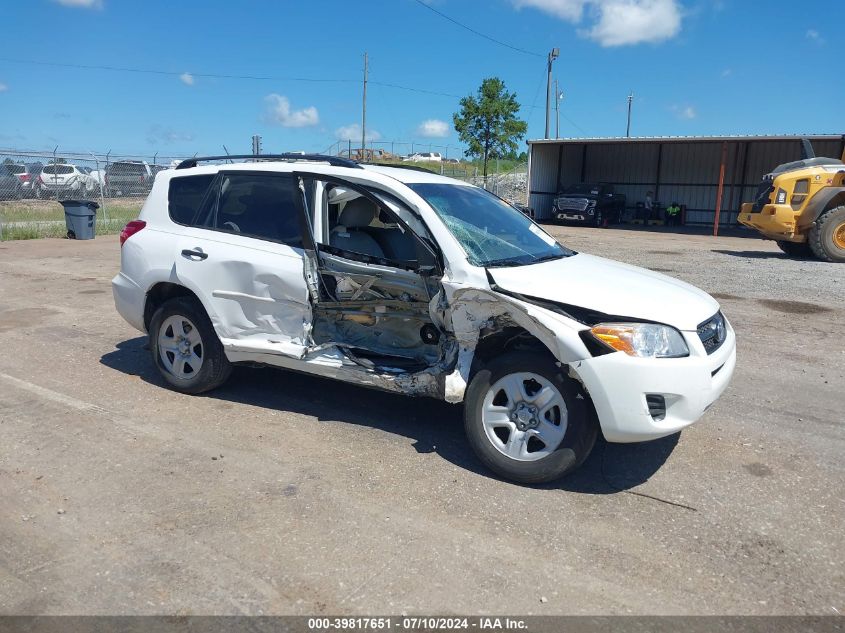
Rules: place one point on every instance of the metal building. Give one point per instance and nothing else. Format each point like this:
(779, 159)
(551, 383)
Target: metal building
(687, 170)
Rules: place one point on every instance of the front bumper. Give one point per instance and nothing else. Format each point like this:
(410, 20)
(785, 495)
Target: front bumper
(618, 385)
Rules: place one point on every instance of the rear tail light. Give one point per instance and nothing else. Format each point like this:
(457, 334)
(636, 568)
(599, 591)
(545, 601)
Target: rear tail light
(24, 177)
(130, 229)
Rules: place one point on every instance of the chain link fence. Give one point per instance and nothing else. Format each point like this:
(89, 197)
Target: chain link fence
(33, 184)
(507, 179)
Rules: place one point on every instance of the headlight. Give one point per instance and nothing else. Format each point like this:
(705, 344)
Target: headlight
(644, 340)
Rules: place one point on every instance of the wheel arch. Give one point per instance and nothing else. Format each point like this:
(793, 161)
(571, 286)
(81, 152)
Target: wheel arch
(829, 198)
(161, 292)
(487, 323)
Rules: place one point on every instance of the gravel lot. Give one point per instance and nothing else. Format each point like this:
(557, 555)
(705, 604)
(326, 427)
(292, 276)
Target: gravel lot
(286, 494)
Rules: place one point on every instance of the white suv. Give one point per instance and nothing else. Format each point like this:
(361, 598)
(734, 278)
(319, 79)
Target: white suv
(411, 282)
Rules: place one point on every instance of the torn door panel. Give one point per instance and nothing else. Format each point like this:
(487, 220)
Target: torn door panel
(259, 309)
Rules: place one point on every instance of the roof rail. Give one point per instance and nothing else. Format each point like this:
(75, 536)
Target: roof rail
(335, 161)
(402, 166)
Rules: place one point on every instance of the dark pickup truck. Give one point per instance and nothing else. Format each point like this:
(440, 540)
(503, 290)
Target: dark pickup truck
(591, 203)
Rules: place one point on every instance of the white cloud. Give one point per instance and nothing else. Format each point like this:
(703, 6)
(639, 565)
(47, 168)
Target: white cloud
(3, 87)
(616, 22)
(187, 79)
(569, 10)
(158, 134)
(815, 36)
(687, 113)
(81, 4)
(279, 113)
(352, 133)
(626, 22)
(433, 128)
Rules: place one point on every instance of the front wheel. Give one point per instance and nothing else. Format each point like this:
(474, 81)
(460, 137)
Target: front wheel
(185, 347)
(526, 420)
(827, 237)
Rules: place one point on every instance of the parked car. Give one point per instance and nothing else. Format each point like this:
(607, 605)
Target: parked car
(63, 180)
(24, 175)
(10, 184)
(128, 177)
(99, 178)
(423, 157)
(415, 283)
(591, 203)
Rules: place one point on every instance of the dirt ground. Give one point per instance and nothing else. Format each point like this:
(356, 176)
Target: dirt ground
(286, 494)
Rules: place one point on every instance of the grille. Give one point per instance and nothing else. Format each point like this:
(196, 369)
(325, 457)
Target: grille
(713, 332)
(572, 204)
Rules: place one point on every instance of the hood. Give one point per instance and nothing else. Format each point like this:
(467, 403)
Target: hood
(610, 287)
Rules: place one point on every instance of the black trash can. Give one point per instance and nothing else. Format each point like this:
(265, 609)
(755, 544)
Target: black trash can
(79, 218)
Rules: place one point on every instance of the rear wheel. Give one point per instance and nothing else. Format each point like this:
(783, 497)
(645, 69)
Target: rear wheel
(796, 249)
(526, 420)
(185, 347)
(827, 237)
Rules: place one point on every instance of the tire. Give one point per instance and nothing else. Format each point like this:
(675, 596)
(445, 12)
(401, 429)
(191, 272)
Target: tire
(795, 249)
(181, 337)
(827, 237)
(491, 429)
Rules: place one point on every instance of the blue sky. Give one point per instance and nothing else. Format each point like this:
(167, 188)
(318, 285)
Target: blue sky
(695, 67)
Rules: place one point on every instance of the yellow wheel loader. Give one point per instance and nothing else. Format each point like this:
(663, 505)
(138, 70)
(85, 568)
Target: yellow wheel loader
(801, 205)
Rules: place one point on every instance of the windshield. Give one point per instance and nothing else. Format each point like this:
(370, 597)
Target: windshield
(584, 188)
(490, 230)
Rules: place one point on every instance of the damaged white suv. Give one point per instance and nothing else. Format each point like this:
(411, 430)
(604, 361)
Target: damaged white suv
(407, 281)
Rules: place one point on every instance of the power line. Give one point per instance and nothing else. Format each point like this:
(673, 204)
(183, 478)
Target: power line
(172, 73)
(478, 33)
(421, 90)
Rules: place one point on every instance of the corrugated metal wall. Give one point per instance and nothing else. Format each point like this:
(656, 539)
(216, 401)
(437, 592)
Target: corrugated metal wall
(686, 172)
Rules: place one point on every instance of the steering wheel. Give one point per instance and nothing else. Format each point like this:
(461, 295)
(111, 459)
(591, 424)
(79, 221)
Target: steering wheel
(233, 226)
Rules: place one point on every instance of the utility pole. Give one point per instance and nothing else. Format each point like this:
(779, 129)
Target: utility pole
(256, 145)
(558, 99)
(553, 55)
(364, 115)
(630, 101)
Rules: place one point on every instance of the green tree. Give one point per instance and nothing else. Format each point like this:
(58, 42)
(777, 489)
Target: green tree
(487, 122)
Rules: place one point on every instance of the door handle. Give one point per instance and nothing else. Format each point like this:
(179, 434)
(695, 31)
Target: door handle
(195, 254)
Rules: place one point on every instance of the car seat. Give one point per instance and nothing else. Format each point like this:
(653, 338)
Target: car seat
(349, 234)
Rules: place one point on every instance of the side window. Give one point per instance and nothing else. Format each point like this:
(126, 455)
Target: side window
(185, 196)
(258, 205)
(357, 225)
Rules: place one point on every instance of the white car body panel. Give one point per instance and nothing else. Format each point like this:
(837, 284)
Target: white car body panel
(258, 301)
(613, 288)
(254, 290)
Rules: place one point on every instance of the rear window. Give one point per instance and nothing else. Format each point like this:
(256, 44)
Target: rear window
(129, 169)
(185, 196)
(57, 169)
(16, 169)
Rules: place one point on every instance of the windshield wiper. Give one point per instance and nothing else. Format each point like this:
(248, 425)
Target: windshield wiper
(508, 261)
(549, 257)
